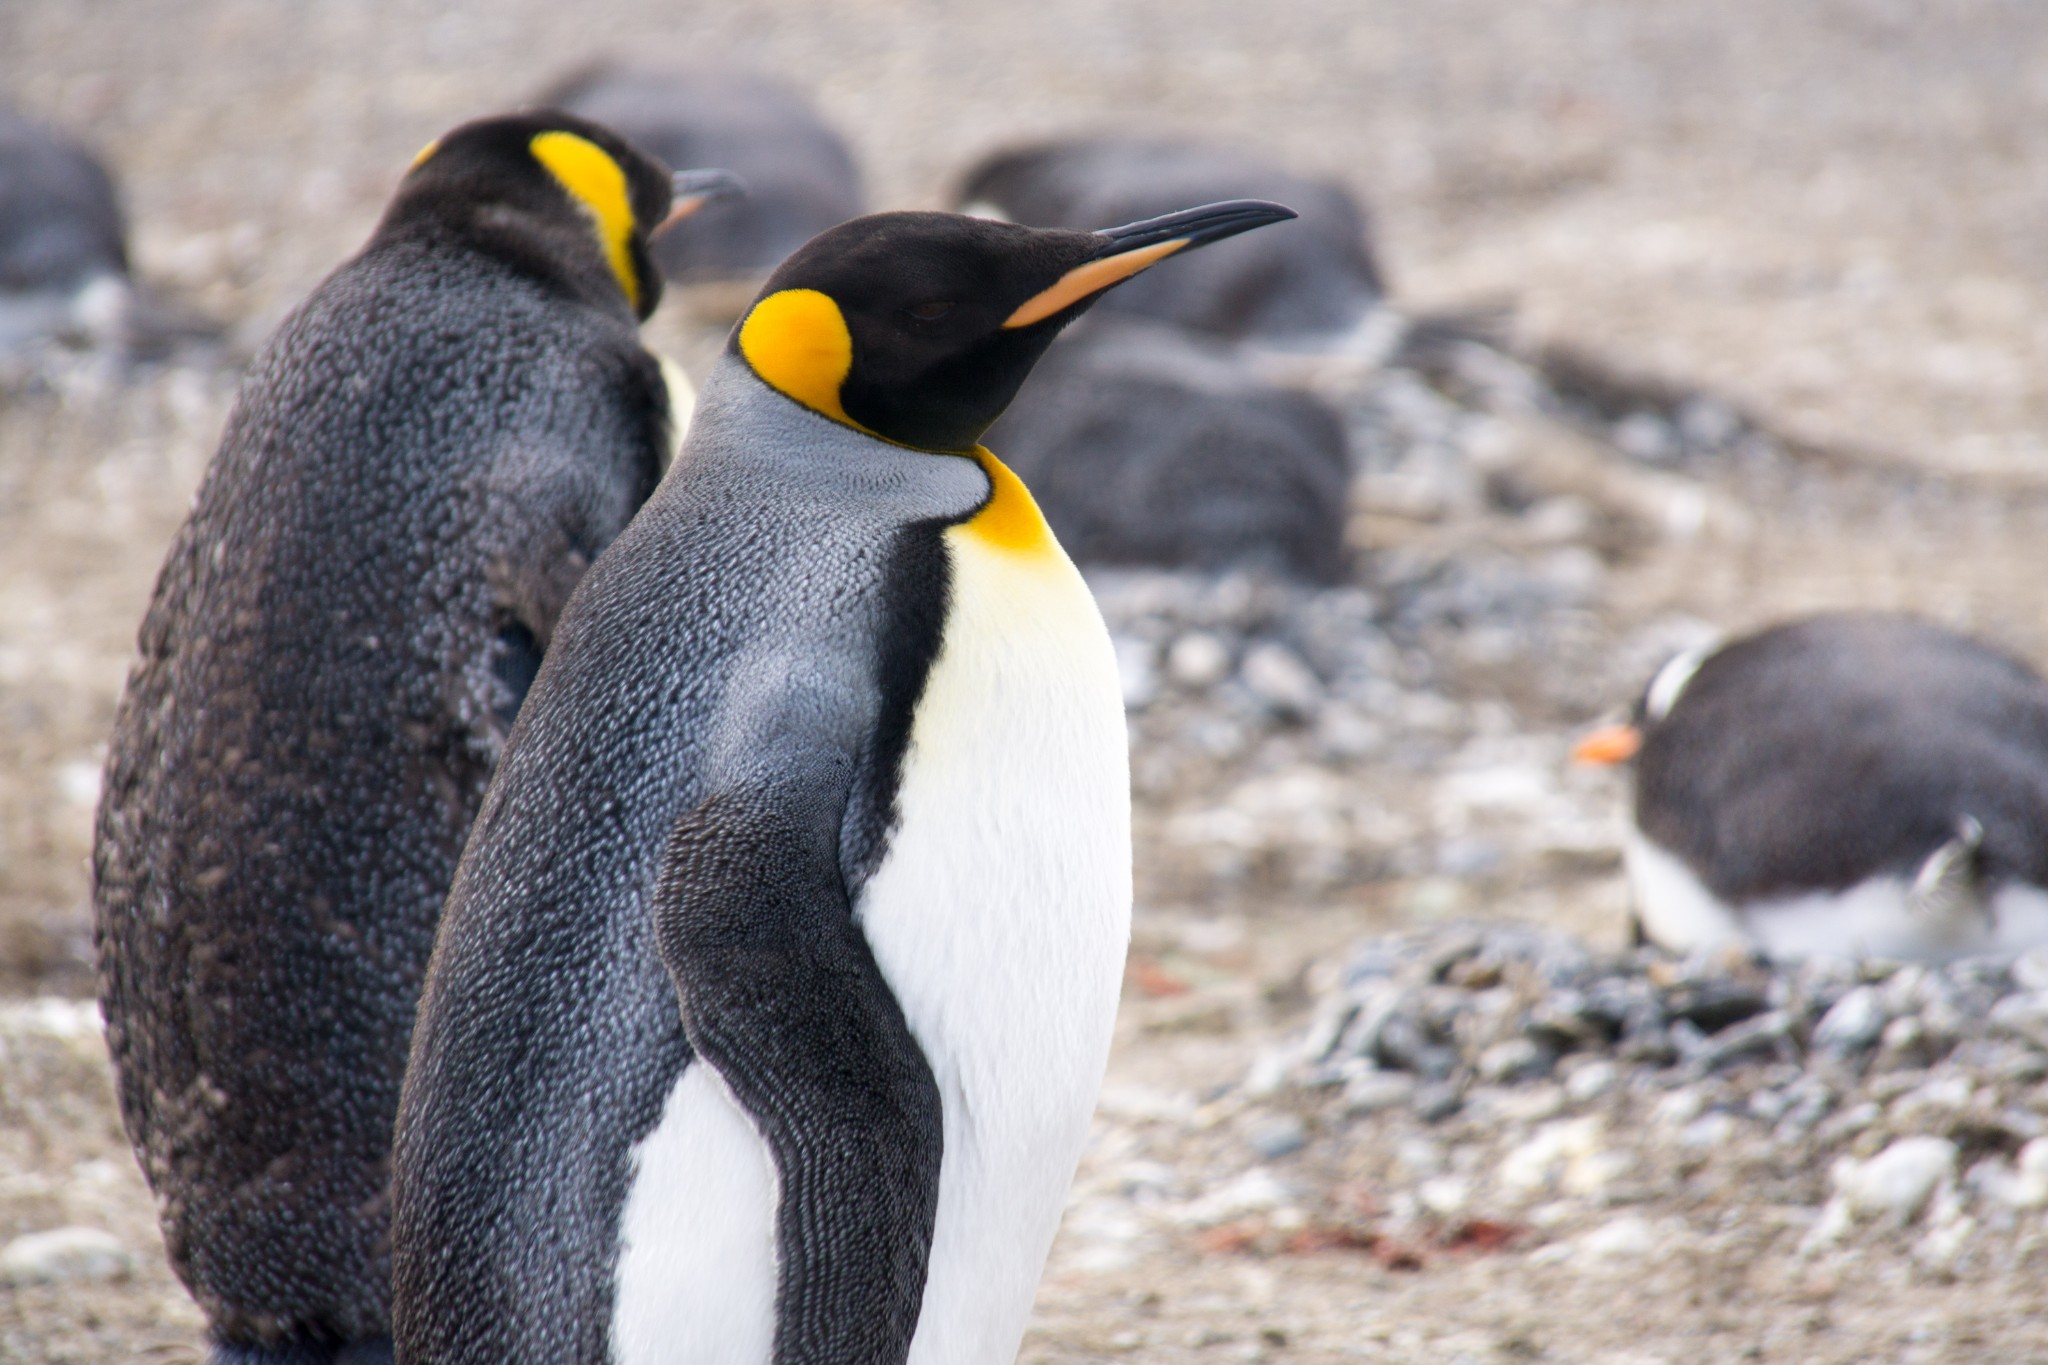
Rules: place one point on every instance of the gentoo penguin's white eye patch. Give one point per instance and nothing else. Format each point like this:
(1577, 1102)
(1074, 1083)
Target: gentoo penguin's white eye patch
(1666, 687)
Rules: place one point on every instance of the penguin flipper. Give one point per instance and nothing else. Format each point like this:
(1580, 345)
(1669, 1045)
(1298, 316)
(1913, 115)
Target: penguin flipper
(782, 997)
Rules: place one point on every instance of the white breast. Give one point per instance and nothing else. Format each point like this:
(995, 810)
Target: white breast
(1000, 918)
(697, 1264)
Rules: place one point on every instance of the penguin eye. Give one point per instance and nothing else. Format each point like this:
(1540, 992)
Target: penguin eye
(930, 312)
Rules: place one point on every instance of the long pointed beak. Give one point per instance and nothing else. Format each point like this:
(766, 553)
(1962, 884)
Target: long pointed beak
(692, 190)
(1129, 249)
(1608, 746)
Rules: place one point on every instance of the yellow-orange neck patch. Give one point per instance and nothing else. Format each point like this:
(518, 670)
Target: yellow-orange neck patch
(1010, 519)
(596, 182)
(798, 342)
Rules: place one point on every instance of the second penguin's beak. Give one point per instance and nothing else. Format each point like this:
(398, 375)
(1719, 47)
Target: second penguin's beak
(692, 190)
(1608, 746)
(1131, 248)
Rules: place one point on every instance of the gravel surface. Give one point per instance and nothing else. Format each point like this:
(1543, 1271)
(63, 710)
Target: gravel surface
(1747, 303)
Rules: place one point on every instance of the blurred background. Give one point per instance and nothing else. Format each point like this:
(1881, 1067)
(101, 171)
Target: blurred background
(1692, 317)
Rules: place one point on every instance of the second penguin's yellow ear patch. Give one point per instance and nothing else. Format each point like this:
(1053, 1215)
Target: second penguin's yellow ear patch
(797, 341)
(596, 182)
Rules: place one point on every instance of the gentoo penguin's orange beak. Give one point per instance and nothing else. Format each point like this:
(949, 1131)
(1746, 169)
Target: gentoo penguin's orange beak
(1607, 746)
(692, 190)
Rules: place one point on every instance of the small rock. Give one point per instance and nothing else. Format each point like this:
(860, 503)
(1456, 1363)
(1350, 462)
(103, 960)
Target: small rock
(2023, 1016)
(1377, 1090)
(1896, 1183)
(1708, 1132)
(2023, 1185)
(1590, 1080)
(1903, 1040)
(1680, 1107)
(1516, 1059)
(1767, 1034)
(1438, 1101)
(1277, 676)
(1628, 1238)
(1198, 659)
(63, 1255)
(1445, 1196)
(1256, 1191)
(1945, 1094)
(1277, 1135)
(1852, 1024)
(1542, 1159)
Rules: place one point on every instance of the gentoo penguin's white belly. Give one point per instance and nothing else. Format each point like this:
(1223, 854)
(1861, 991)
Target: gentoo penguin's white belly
(1000, 917)
(1878, 918)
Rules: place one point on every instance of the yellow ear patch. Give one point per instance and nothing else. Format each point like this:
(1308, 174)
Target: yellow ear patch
(1083, 280)
(797, 341)
(425, 154)
(596, 182)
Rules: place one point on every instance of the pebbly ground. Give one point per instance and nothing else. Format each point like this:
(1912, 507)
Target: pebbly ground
(1765, 284)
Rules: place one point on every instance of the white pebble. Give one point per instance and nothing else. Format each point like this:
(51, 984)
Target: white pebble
(1624, 1239)
(1853, 1023)
(64, 1254)
(1896, 1183)
(1256, 1191)
(1198, 659)
(1591, 1080)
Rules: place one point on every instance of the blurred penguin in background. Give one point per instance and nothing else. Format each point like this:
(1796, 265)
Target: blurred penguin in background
(63, 247)
(1147, 447)
(1850, 785)
(800, 176)
(1318, 281)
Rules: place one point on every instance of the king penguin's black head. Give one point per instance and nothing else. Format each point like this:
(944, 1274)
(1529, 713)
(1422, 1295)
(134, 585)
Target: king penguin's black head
(567, 198)
(919, 327)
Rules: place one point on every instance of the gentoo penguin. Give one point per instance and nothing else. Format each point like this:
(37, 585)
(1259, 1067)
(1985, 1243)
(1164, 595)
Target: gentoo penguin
(1319, 278)
(421, 464)
(1860, 785)
(772, 997)
(801, 178)
(1146, 445)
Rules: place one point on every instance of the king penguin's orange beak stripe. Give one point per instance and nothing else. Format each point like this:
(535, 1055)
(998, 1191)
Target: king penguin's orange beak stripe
(1091, 278)
(1608, 746)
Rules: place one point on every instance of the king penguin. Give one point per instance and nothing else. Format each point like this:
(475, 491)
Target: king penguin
(419, 467)
(1848, 785)
(776, 986)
